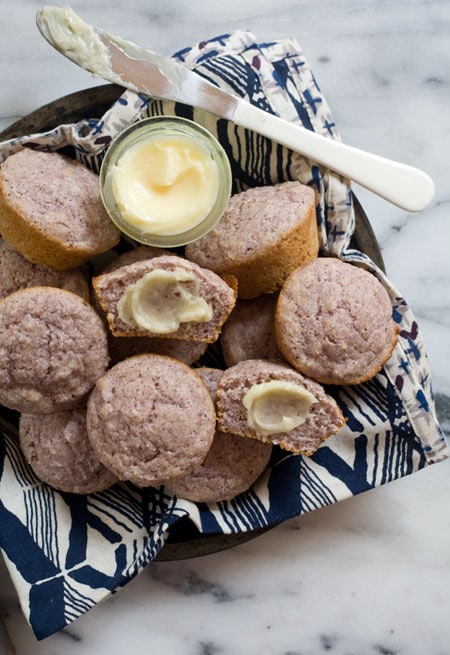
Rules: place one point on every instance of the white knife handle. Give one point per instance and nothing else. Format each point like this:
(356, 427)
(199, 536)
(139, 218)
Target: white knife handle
(403, 185)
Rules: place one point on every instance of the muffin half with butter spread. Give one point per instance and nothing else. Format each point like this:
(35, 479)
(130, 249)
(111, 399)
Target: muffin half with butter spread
(120, 348)
(167, 297)
(272, 402)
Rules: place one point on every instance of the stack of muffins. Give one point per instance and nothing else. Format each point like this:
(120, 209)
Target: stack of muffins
(176, 369)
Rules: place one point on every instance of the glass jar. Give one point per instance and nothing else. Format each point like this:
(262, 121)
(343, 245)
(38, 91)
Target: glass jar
(165, 181)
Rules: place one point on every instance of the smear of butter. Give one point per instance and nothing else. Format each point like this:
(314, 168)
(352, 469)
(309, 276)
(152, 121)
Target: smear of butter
(161, 300)
(165, 184)
(74, 38)
(277, 406)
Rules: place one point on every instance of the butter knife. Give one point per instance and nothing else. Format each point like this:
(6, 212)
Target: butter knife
(129, 65)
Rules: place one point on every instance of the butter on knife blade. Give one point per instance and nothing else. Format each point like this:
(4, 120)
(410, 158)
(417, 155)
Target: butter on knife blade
(126, 64)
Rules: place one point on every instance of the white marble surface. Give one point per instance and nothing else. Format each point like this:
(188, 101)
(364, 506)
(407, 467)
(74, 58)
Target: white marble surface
(372, 574)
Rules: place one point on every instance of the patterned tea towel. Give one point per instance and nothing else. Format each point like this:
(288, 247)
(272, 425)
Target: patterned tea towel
(67, 553)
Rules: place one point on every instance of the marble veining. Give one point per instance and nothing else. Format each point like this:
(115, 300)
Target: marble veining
(371, 575)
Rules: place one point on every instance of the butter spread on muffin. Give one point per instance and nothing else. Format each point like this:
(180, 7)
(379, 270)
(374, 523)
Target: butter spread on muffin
(297, 417)
(165, 296)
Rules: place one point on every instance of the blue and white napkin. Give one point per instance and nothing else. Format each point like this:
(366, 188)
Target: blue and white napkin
(66, 553)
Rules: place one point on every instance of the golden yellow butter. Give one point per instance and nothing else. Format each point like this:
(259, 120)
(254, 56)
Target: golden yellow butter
(166, 184)
(277, 406)
(165, 181)
(161, 300)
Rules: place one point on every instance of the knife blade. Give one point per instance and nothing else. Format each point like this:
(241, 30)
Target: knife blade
(124, 63)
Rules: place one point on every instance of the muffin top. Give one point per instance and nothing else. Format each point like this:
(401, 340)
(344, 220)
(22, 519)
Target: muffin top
(16, 273)
(53, 347)
(60, 197)
(249, 331)
(150, 418)
(231, 466)
(58, 450)
(334, 322)
(254, 220)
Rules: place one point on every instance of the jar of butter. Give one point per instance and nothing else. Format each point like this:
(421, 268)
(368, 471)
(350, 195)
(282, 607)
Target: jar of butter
(165, 181)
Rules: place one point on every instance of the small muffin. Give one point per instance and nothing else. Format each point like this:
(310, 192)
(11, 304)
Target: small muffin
(51, 210)
(334, 322)
(167, 297)
(121, 348)
(263, 235)
(16, 273)
(150, 419)
(231, 466)
(274, 403)
(210, 376)
(53, 347)
(138, 254)
(57, 448)
(249, 331)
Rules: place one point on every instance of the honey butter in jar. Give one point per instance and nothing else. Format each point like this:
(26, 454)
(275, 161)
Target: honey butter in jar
(165, 181)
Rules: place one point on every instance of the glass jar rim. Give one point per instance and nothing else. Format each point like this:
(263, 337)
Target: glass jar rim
(150, 127)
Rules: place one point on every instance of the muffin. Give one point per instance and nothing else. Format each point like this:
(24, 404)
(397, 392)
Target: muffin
(210, 376)
(249, 331)
(57, 448)
(121, 348)
(334, 322)
(263, 235)
(274, 403)
(150, 418)
(53, 347)
(51, 210)
(231, 466)
(16, 273)
(167, 297)
(138, 254)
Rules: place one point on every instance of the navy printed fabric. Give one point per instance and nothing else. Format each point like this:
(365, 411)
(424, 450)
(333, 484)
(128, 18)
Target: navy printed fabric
(66, 553)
